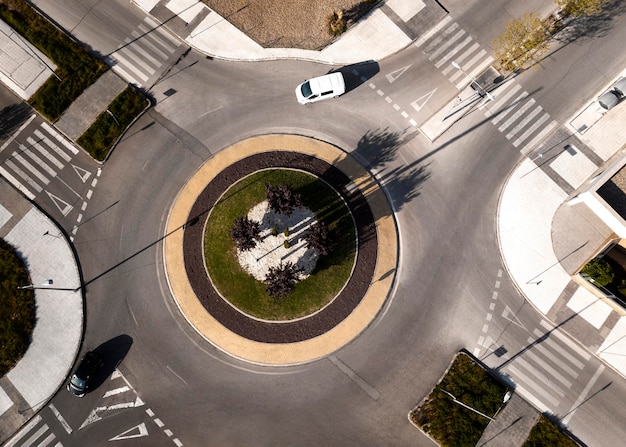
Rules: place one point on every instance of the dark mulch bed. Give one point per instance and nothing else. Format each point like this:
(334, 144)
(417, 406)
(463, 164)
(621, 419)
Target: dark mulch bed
(314, 325)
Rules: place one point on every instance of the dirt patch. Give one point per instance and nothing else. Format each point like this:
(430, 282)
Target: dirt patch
(288, 24)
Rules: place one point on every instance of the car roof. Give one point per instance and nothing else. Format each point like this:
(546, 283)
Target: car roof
(329, 82)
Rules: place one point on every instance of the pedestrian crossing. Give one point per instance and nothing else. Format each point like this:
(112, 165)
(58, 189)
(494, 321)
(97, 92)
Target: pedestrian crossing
(462, 60)
(31, 161)
(147, 49)
(545, 371)
(36, 433)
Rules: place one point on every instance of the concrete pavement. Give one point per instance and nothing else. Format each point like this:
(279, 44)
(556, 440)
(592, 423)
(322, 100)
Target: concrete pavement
(542, 233)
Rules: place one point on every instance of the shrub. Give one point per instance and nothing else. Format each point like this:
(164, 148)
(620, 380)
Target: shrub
(545, 432)
(282, 199)
(319, 238)
(523, 40)
(245, 233)
(577, 8)
(281, 280)
(600, 271)
(337, 23)
(17, 308)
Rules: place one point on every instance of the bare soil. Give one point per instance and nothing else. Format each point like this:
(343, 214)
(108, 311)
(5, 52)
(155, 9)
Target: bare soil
(287, 23)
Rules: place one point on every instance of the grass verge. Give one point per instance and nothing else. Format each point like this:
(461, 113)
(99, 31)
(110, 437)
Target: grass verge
(248, 294)
(449, 423)
(545, 432)
(17, 308)
(76, 68)
(110, 124)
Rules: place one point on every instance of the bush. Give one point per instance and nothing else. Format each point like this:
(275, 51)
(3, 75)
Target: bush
(245, 233)
(281, 281)
(337, 23)
(76, 68)
(282, 199)
(319, 238)
(600, 271)
(110, 124)
(523, 40)
(17, 308)
(545, 432)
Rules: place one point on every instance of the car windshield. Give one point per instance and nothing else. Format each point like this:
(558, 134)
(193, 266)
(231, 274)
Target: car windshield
(77, 382)
(306, 89)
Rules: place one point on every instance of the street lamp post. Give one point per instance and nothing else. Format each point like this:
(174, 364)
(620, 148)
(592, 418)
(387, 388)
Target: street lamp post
(507, 396)
(47, 282)
(475, 84)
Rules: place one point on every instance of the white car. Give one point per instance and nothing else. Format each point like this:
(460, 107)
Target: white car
(322, 87)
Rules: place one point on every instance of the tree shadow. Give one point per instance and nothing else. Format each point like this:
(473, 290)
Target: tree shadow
(591, 27)
(12, 117)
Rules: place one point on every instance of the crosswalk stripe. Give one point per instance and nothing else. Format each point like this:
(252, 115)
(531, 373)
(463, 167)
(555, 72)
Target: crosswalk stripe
(445, 46)
(124, 74)
(540, 136)
(52, 146)
(556, 354)
(24, 176)
(437, 40)
(157, 26)
(138, 61)
(531, 129)
(430, 33)
(550, 341)
(42, 150)
(139, 48)
(505, 111)
(42, 178)
(483, 63)
(466, 78)
(530, 383)
(16, 183)
(131, 67)
(30, 441)
(24, 430)
(517, 114)
(464, 55)
(523, 122)
(33, 156)
(538, 361)
(148, 44)
(565, 340)
(57, 136)
(452, 52)
(541, 376)
(47, 441)
(155, 36)
(501, 96)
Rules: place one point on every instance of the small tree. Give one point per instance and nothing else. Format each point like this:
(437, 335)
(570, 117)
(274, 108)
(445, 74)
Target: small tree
(600, 271)
(523, 39)
(280, 281)
(282, 199)
(319, 238)
(245, 233)
(578, 8)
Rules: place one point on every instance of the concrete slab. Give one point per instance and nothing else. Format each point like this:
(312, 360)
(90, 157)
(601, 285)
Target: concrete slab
(185, 9)
(5, 215)
(573, 166)
(406, 10)
(5, 402)
(589, 307)
(614, 346)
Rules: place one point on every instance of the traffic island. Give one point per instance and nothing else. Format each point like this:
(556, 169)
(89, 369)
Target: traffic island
(309, 338)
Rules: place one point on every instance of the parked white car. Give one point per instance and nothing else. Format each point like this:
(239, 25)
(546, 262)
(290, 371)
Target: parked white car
(322, 87)
(614, 96)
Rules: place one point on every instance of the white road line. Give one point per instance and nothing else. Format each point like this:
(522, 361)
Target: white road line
(177, 442)
(571, 344)
(116, 391)
(27, 428)
(452, 52)
(551, 342)
(24, 176)
(150, 45)
(461, 58)
(555, 358)
(505, 111)
(158, 37)
(467, 79)
(531, 129)
(156, 26)
(540, 136)
(52, 146)
(61, 419)
(14, 136)
(60, 138)
(419, 42)
(125, 75)
(46, 153)
(538, 361)
(530, 395)
(445, 46)
(120, 59)
(583, 395)
(30, 441)
(542, 378)
(33, 170)
(158, 422)
(48, 440)
(369, 390)
(533, 382)
(437, 40)
(523, 123)
(33, 156)
(16, 183)
(502, 97)
(136, 55)
(517, 114)
(145, 53)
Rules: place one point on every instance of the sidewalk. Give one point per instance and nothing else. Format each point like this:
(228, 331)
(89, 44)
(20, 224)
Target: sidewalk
(59, 312)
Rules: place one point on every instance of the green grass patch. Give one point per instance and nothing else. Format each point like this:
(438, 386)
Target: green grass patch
(244, 291)
(17, 308)
(76, 68)
(545, 432)
(449, 423)
(104, 132)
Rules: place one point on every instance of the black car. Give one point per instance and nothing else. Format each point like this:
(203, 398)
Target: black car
(87, 369)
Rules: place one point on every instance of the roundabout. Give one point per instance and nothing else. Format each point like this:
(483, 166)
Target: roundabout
(318, 334)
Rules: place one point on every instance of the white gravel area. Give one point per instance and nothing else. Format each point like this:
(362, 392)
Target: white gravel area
(270, 250)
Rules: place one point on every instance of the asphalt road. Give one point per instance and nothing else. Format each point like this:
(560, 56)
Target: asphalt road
(445, 195)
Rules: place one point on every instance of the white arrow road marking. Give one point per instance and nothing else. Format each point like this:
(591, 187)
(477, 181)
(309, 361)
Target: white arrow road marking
(83, 174)
(62, 205)
(422, 100)
(140, 430)
(510, 315)
(393, 76)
